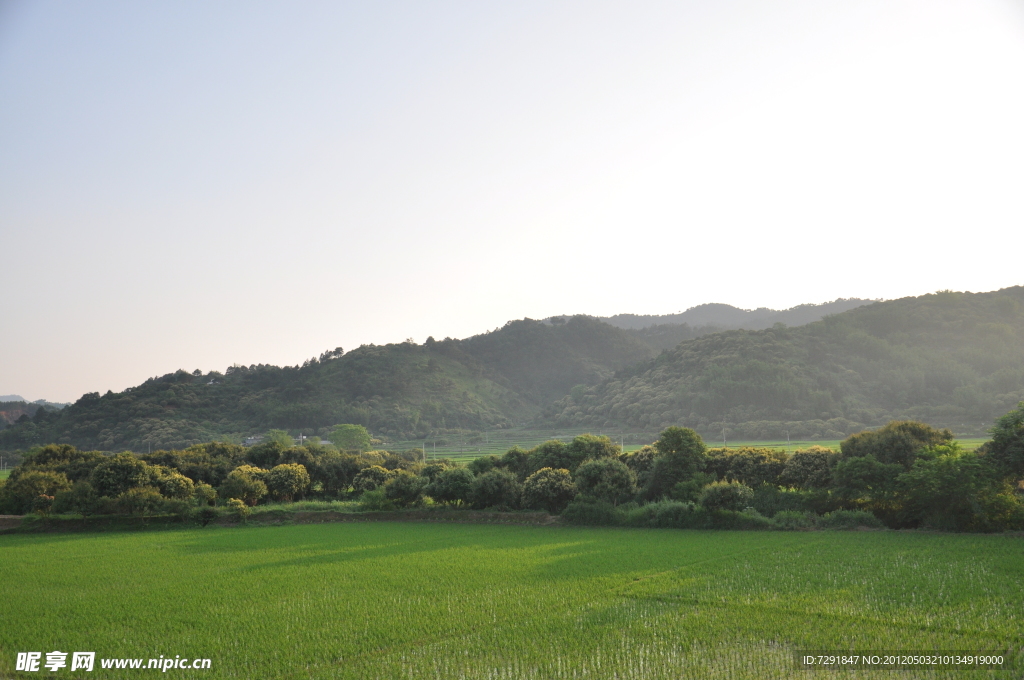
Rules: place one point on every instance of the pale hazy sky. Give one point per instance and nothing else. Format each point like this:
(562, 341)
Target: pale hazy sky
(194, 184)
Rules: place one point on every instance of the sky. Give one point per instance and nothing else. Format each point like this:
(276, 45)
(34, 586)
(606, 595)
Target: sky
(197, 184)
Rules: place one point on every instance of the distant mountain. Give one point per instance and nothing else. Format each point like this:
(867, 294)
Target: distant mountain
(489, 381)
(950, 359)
(11, 397)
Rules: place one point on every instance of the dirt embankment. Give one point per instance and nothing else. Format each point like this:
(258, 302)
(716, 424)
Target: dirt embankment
(17, 523)
(10, 522)
(466, 516)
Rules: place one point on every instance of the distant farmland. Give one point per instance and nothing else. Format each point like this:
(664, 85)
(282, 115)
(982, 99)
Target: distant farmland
(467, 447)
(406, 600)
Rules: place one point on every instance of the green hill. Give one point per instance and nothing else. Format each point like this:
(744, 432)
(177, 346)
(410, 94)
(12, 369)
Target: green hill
(951, 359)
(490, 381)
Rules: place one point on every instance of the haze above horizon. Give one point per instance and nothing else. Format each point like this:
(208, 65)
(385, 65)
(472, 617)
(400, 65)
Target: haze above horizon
(196, 185)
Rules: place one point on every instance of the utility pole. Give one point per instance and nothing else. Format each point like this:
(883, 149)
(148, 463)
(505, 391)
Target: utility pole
(725, 442)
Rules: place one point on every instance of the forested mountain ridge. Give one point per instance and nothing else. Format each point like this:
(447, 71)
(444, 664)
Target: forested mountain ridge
(950, 359)
(489, 381)
(665, 331)
(727, 317)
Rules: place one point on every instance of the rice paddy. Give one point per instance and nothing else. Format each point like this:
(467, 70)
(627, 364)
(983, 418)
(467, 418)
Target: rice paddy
(418, 600)
(464, 448)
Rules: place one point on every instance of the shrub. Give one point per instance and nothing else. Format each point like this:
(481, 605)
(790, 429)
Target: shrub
(793, 520)
(375, 500)
(238, 508)
(726, 496)
(850, 519)
(496, 489)
(591, 512)
(688, 491)
(548, 489)
(769, 500)
(204, 514)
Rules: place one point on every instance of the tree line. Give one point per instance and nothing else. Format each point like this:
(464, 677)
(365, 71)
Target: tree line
(904, 475)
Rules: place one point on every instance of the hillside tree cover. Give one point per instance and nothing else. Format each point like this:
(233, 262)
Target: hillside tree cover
(952, 359)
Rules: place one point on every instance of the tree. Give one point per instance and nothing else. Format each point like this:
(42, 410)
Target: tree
(1006, 450)
(119, 473)
(865, 478)
(498, 488)
(898, 442)
(281, 438)
(726, 496)
(549, 489)
(288, 481)
(241, 483)
(267, 454)
(641, 462)
(484, 464)
(370, 478)
(171, 483)
(809, 468)
(559, 456)
(20, 493)
(350, 438)
(81, 498)
(335, 472)
(404, 488)
(517, 461)
(681, 455)
(141, 500)
(451, 486)
(752, 466)
(606, 479)
(42, 504)
(591, 447)
(954, 490)
(204, 495)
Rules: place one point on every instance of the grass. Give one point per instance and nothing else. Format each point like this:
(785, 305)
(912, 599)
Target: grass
(406, 600)
(4, 474)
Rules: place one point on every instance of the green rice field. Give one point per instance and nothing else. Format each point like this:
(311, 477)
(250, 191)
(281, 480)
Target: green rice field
(421, 600)
(465, 448)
